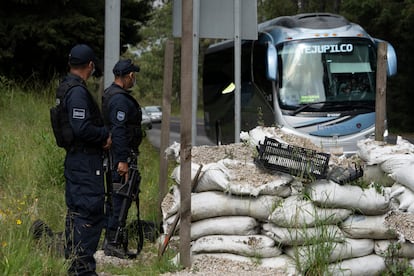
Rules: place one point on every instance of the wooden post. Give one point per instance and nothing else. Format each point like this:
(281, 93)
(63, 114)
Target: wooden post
(185, 138)
(165, 122)
(380, 101)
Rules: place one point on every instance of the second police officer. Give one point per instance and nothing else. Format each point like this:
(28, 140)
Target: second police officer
(122, 115)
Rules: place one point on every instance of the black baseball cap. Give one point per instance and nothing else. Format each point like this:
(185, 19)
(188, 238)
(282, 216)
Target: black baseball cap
(81, 54)
(125, 66)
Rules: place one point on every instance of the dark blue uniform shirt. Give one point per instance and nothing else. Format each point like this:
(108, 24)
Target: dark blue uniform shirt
(124, 118)
(84, 117)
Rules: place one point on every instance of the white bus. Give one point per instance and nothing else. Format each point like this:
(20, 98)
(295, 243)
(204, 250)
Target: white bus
(313, 75)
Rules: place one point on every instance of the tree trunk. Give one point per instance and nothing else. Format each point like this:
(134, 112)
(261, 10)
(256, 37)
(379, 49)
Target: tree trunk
(322, 5)
(337, 6)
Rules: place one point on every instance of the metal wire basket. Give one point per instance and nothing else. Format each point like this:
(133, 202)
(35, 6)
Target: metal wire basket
(297, 161)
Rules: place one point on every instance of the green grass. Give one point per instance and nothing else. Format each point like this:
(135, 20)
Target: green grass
(32, 187)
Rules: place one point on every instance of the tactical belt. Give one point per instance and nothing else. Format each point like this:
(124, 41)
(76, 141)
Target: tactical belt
(86, 150)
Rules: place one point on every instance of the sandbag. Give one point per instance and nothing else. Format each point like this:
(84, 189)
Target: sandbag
(298, 236)
(213, 177)
(215, 204)
(257, 135)
(405, 176)
(249, 246)
(360, 266)
(265, 183)
(375, 152)
(229, 225)
(373, 173)
(367, 227)
(397, 161)
(171, 202)
(406, 251)
(220, 176)
(297, 212)
(328, 194)
(404, 197)
(348, 249)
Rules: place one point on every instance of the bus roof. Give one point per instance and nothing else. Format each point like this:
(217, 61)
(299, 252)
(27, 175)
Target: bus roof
(306, 20)
(284, 28)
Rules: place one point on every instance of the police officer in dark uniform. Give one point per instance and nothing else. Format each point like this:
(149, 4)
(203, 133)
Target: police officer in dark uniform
(85, 192)
(122, 115)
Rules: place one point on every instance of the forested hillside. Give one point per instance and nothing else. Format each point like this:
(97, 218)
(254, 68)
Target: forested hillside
(36, 35)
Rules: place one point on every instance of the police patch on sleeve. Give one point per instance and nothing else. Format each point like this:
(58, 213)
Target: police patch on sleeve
(78, 113)
(120, 116)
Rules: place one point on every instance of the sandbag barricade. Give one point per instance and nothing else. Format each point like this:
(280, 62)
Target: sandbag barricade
(282, 223)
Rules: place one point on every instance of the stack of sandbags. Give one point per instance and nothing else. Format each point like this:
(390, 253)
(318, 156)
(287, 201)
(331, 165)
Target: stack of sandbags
(227, 211)
(394, 161)
(240, 212)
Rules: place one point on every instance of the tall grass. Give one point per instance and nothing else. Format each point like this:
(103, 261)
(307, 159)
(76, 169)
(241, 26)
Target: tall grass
(32, 186)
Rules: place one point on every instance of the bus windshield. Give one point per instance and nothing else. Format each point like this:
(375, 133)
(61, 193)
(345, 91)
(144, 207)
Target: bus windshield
(334, 71)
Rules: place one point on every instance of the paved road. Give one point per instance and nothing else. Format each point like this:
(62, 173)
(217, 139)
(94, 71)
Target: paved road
(154, 134)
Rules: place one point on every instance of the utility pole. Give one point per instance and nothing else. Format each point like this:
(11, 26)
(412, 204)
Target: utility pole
(112, 35)
(185, 138)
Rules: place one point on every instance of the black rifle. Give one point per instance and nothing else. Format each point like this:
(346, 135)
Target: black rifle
(129, 190)
(107, 164)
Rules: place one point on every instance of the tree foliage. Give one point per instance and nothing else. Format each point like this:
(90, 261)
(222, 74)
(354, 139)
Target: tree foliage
(37, 35)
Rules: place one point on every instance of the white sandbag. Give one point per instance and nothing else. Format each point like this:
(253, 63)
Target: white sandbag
(171, 202)
(367, 227)
(258, 134)
(282, 264)
(249, 246)
(297, 212)
(298, 236)
(215, 178)
(229, 225)
(376, 152)
(406, 250)
(226, 176)
(278, 187)
(360, 266)
(350, 248)
(404, 196)
(173, 151)
(397, 161)
(215, 204)
(264, 183)
(194, 168)
(168, 222)
(410, 208)
(368, 201)
(405, 176)
(373, 173)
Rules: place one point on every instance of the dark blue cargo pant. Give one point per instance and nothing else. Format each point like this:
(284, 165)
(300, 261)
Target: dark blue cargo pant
(85, 197)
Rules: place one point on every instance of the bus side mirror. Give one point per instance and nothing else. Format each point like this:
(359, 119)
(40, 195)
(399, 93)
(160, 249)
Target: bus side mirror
(271, 62)
(391, 61)
(391, 58)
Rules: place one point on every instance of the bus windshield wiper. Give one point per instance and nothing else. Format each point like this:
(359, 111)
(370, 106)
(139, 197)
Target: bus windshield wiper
(305, 106)
(342, 105)
(364, 106)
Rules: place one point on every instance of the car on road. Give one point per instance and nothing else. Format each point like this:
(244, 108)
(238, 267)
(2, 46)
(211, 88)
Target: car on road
(146, 119)
(154, 112)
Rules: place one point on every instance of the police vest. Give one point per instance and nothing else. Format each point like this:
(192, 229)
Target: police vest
(133, 124)
(59, 115)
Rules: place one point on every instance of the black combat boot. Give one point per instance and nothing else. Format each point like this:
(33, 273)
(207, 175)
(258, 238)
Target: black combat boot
(116, 249)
